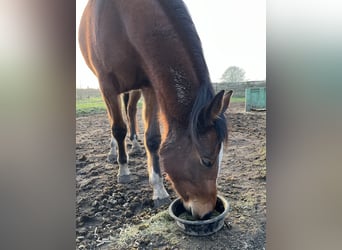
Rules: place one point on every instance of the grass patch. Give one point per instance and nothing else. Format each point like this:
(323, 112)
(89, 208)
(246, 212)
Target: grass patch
(95, 105)
(237, 99)
(91, 105)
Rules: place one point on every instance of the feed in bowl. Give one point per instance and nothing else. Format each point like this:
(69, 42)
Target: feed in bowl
(191, 226)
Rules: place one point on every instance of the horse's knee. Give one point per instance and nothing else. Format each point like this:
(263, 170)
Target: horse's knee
(153, 143)
(119, 132)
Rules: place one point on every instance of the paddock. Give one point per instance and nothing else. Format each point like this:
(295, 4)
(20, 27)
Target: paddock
(110, 215)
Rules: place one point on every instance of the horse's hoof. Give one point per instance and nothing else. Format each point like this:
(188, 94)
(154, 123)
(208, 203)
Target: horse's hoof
(124, 179)
(112, 158)
(136, 148)
(161, 202)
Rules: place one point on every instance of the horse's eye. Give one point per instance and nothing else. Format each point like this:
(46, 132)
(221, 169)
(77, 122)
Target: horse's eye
(206, 162)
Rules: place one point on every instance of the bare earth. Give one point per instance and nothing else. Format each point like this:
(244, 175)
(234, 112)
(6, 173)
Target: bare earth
(116, 216)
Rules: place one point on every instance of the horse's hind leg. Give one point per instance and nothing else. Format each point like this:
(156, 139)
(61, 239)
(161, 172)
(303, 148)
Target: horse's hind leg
(152, 143)
(112, 155)
(130, 100)
(119, 130)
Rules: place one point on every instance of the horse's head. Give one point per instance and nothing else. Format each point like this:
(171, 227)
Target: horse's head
(192, 159)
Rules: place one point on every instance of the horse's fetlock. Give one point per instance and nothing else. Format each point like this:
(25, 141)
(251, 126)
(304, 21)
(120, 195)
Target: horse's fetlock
(153, 143)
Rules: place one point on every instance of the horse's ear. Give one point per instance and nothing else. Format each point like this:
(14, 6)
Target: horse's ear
(226, 100)
(218, 105)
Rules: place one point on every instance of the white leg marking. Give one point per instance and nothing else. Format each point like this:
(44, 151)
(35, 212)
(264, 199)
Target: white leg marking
(159, 191)
(112, 153)
(135, 146)
(123, 170)
(124, 173)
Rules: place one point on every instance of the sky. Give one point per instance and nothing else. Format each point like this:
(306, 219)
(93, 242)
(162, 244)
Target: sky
(233, 33)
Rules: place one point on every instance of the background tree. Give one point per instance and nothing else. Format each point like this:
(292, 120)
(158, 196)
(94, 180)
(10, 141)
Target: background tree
(233, 74)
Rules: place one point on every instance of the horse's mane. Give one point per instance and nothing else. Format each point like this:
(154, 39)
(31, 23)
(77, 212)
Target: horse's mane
(184, 26)
(181, 19)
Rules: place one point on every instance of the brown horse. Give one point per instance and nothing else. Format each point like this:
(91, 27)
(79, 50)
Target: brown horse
(153, 46)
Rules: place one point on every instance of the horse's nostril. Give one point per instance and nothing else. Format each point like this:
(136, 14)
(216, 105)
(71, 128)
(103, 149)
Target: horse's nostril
(206, 216)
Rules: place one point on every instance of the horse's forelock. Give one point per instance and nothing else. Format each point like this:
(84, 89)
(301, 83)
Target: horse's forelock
(221, 128)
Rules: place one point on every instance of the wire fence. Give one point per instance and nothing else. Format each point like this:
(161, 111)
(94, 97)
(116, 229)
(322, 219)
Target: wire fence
(238, 87)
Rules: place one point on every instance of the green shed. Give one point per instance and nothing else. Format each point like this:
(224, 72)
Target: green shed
(255, 99)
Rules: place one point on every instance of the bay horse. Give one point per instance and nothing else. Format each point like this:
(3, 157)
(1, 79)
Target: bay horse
(153, 45)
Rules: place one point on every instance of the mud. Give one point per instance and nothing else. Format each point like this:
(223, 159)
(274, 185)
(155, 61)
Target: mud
(122, 216)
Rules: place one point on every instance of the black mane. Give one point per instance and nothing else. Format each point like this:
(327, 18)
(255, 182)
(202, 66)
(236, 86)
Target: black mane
(180, 17)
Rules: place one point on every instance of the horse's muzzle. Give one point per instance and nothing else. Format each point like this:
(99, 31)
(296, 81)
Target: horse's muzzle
(199, 210)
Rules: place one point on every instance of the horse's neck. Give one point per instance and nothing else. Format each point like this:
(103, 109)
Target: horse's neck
(176, 102)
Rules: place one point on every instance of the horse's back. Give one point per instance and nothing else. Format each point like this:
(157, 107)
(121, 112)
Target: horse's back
(139, 43)
(106, 45)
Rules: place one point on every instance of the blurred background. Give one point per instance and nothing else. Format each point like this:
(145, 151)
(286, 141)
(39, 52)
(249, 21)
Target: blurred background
(37, 131)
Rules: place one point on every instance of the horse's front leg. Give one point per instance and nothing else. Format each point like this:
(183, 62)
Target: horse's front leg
(119, 129)
(152, 144)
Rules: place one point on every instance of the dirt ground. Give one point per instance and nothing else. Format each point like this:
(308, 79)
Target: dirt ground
(121, 216)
